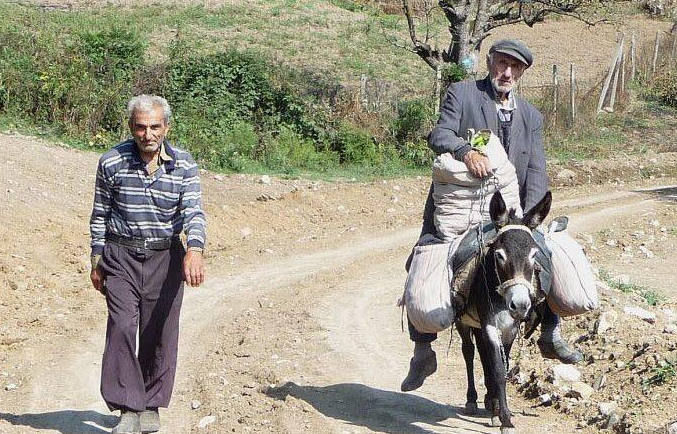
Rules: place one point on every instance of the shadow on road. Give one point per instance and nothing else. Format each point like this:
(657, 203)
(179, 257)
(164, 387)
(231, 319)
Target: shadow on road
(661, 193)
(64, 421)
(376, 409)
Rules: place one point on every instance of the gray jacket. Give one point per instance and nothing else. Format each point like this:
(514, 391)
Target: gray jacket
(470, 104)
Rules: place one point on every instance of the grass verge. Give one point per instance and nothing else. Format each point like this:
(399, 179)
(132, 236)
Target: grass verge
(650, 296)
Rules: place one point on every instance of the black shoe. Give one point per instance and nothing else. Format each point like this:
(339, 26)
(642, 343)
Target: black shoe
(559, 350)
(421, 366)
(128, 423)
(149, 420)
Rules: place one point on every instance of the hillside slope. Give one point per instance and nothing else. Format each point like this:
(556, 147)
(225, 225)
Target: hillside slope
(338, 45)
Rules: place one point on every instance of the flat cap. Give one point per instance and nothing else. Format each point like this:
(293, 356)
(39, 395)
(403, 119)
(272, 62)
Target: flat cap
(514, 48)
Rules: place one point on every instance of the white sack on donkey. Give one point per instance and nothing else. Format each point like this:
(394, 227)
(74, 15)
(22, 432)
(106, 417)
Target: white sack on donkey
(427, 290)
(461, 202)
(573, 290)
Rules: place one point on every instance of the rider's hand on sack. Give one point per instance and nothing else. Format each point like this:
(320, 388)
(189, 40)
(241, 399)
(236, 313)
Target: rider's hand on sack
(477, 164)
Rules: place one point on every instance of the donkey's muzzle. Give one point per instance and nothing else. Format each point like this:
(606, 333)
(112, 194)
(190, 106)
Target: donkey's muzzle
(518, 301)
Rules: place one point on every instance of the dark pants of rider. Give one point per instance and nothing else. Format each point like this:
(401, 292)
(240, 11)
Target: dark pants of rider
(549, 318)
(144, 290)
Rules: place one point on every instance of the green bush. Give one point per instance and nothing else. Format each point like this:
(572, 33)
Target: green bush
(414, 120)
(289, 151)
(238, 150)
(117, 51)
(223, 88)
(417, 153)
(357, 146)
(77, 83)
(212, 94)
(453, 72)
(664, 88)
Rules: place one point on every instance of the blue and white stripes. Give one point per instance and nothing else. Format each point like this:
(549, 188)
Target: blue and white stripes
(130, 203)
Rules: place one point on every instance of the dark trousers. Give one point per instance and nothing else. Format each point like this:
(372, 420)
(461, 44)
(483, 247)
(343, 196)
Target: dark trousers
(144, 290)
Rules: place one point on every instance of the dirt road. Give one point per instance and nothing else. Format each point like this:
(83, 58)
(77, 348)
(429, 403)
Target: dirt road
(296, 329)
(352, 355)
(355, 370)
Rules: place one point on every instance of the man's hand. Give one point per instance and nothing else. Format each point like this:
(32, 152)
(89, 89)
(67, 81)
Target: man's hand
(193, 269)
(477, 164)
(97, 280)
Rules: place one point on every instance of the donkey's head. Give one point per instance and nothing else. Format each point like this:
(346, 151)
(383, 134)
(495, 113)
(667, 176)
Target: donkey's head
(514, 251)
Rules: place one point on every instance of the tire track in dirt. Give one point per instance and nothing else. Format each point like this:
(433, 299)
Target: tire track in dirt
(370, 354)
(64, 394)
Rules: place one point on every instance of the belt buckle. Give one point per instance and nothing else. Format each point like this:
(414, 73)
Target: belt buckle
(146, 243)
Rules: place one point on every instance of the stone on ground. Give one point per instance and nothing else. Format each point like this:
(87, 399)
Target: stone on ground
(642, 314)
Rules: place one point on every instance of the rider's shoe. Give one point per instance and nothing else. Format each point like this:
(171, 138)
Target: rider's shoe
(422, 365)
(560, 350)
(128, 423)
(149, 420)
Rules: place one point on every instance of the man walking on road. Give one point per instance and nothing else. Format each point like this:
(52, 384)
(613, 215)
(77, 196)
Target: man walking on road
(147, 192)
(491, 103)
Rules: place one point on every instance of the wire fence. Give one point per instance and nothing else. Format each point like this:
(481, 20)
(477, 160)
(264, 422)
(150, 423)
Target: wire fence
(567, 105)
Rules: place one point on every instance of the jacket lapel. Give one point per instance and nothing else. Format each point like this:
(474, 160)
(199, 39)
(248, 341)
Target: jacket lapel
(489, 107)
(516, 133)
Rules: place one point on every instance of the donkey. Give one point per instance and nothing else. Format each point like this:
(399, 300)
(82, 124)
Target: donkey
(501, 297)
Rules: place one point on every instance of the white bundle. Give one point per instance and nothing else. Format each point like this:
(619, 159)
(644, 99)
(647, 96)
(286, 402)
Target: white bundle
(461, 200)
(573, 290)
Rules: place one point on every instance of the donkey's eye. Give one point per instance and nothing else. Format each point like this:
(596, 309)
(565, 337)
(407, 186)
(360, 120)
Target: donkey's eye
(500, 255)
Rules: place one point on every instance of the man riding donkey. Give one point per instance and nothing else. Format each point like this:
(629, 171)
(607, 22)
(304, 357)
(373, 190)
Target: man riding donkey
(491, 104)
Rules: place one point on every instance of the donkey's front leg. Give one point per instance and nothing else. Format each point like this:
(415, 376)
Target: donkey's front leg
(468, 349)
(494, 345)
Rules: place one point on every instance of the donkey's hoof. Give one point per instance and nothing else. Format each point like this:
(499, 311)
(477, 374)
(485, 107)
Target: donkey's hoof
(470, 408)
(496, 421)
(506, 430)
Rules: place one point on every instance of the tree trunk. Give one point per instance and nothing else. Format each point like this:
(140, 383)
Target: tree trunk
(466, 25)
(460, 41)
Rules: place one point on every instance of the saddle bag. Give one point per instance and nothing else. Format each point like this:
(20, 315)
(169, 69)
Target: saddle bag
(441, 275)
(573, 290)
(427, 290)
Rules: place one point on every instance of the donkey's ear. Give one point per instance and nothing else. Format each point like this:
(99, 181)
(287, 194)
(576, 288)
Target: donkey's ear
(538, 213)
(498, 211)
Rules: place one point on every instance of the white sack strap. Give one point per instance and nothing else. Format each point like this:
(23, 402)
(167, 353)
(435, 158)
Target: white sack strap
(503, 287)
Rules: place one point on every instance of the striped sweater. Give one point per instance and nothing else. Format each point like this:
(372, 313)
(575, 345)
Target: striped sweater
(130, 203)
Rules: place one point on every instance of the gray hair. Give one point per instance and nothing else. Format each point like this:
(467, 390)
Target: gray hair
(147, 103)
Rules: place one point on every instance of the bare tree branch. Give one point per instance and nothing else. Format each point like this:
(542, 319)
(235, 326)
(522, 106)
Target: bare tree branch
(394, 41)
(430, 55)
(471, 21)
(410, 21)
(428, 13)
